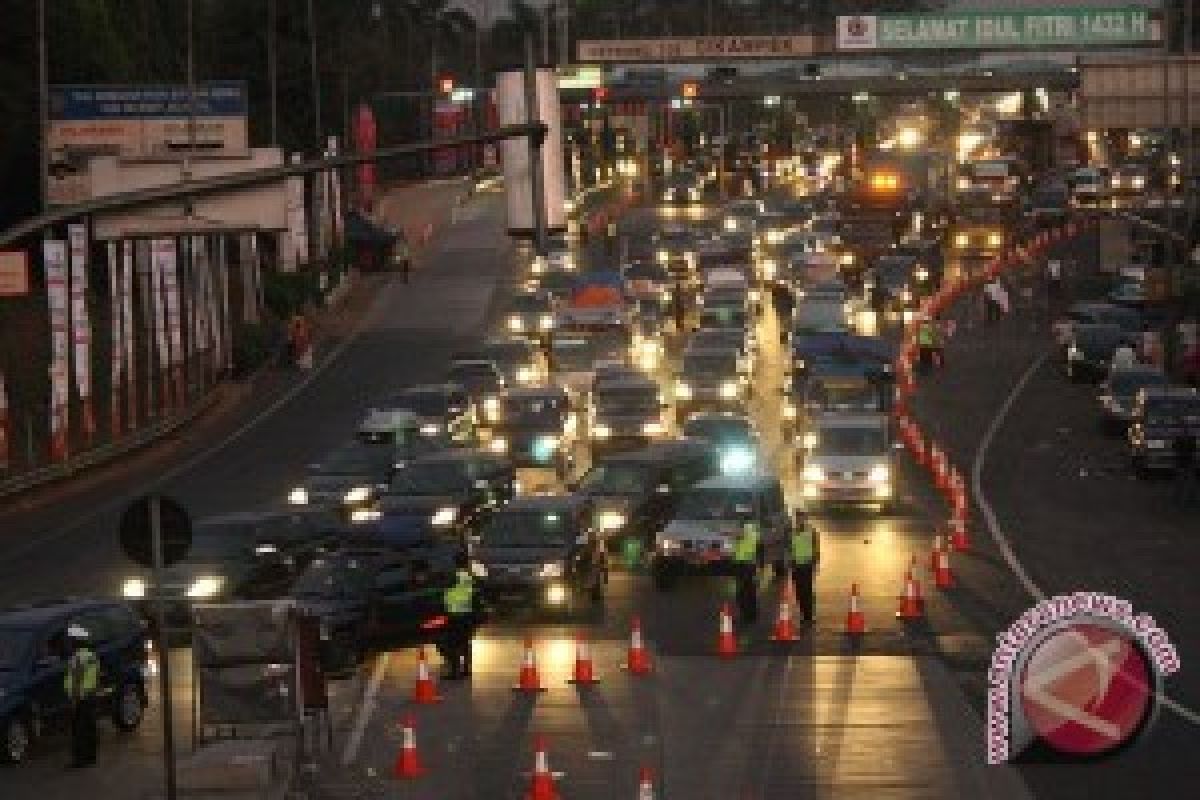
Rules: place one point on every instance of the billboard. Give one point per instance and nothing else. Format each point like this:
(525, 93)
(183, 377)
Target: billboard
(695, 48)
(144, 121)
(515, 155)
(998, 30)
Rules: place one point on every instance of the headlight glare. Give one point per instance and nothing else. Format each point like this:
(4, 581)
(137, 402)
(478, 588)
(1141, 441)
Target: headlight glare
(444, 517)
(205, 587)
(813, 474)
(133, 589)
(298, 496)
(552, 569)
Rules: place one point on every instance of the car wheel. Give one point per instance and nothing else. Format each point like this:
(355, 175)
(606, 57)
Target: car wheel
(16, 736)
(129, 707)
(664, 576)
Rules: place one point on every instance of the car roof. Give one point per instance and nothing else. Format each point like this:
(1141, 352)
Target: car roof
(430, 388)
(661, 451)
(569, 503)
(752, 482)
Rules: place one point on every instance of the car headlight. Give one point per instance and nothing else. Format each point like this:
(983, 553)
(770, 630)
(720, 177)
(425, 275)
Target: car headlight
(668, 545)
(789, 411)
(768, 267)
(479, 569)
(813, 474)
(846, 259)
(880, 473)
(526, 375)
(906, 296)
(729, 390)
(683, 391)
(654, 429)
(662, 256)
(694, 193)
(431, 429)
(731, 224)
(365, 515)
(964, 184)
(515, 324)
(737, 460)
(809, 440)
(556, 594)
(774, 237)
(298, 496)
(491, 407)
(962, 240)
(444, 517)
(611, 521)
(538, 266)
(922, 274)
(1138, 182)
(995, 240)
(133, 589)
(498, 445)
(546, 322)
(667, 195)
(208, 586)
(601, 431)
(357, 496)
(552, 569)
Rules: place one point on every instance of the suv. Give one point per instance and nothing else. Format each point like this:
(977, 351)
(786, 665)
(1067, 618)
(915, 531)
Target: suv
(535, 427)
(848, 461)
(709, 518)
(626, 412)
(709, 380)
(349, 477)
(1160, 416)
(443, 409)
(33, 659)
(544, 550)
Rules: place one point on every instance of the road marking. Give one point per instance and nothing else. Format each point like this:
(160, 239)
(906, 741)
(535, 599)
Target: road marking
(997, 532)
(365, 709)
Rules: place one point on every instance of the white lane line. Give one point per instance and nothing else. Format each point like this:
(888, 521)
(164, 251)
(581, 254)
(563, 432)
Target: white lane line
(366, 708)
(997, 532)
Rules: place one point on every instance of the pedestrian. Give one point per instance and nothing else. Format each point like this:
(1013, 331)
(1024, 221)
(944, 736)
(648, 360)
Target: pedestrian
(1184, 447)
(804, 557)
(745, 564)
(80, 682)
(459, 602)
(996, 297)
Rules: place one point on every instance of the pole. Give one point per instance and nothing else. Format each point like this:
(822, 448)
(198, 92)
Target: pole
(164, 656)
(43, 106)
(315, 76)
(532, 115)
(273, 70)
(191, 76)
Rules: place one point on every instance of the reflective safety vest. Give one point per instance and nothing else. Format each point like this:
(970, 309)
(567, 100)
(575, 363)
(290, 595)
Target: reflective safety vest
(83, 674)
(457, 598)
(802, 545)
(745, 549)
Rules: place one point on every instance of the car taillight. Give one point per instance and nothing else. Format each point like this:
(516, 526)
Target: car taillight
(434, 622)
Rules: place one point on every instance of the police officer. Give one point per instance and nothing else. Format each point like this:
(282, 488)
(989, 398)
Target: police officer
(927, 343)
(804, 553)
(745, 563)
(459, 602)
(81, 682)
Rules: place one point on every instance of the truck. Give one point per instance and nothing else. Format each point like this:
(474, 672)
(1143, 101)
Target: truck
(592, 330)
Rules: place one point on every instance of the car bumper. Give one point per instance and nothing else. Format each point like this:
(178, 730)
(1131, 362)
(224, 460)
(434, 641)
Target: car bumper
(542, 593)
(695, 562)
(848, 494)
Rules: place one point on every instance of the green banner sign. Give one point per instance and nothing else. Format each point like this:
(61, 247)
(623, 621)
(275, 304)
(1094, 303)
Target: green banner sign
(998, 30)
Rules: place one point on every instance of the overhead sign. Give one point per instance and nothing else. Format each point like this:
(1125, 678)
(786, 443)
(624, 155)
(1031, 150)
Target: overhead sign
(696, 48)
(14, 273)
(998, 30)
(582, 76)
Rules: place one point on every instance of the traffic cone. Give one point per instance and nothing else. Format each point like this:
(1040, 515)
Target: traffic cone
(638, 660)
(936, 465)
(645, 784)
(910, 604)
(528, 680)
(918, 448)
(855, 621)
(943, 578)
(408, 763)
(541, 787)
(958, 533)
(939, 542)
(583, 663)
(726, 643)
(424, 691)
(784, 630)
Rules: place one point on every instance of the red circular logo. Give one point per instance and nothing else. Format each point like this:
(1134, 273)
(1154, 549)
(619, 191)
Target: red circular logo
(856, 26)
(1086, 689)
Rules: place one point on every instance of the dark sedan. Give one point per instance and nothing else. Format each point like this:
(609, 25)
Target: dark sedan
(1089, 350)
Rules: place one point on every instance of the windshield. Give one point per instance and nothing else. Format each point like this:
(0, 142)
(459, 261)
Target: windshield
(447, 477)
(851, 441)
(1125, 383)
(627, 399)
(731, 504)
(618, 478)
(426, 402)
(529, 302)
(1184, 409)
(472, 374)
(821, 313)
(526, 529)
(710, 363)
(718, 430)
(723, 317)
(336, 576)
(15, 644)
(735, 298)
(844, 394)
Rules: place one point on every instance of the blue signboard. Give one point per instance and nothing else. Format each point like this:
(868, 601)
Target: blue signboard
(93, 102)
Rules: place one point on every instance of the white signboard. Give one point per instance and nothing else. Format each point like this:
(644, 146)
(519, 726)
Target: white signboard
(696, 48)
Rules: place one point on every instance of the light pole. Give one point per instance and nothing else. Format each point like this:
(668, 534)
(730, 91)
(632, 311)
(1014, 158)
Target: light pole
(43, 107)
(315, 75)
(273, 70)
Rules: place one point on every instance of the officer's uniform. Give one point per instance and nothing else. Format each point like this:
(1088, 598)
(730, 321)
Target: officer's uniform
(927, 343)
(804, 553)
(81, 682)
(459, 602)
(745, 562)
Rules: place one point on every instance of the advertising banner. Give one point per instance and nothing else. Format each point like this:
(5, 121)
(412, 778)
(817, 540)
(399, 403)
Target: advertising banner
(695, 48)
(127, 328)
(54, 256)
(116, 337)
(162, 253)
(81, 327)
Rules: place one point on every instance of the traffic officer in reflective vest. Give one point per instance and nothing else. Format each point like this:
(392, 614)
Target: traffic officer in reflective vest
(745, 564)
(81, 681)
(804, 553)
(459, 602)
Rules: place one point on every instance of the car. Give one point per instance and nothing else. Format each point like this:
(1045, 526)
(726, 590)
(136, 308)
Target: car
(843, 386)
(675, 248)
(534, 427)
(709, 380)
(741, 216)
(709, 518)
(1128, 293)
(648, 283)
(481, 378)
(518, 359)
(734, 436)
(1129, 180)
(634, 492)
(414, 523)
(388, 426)
(348, 478)
(1119, 390)
(1049, 205)
(542, 551)
(33, 662)
(740, 339)
(1089, 187)
(1128, 319)
(466, 481)
(1159, 416)
(442, 410)
(626, 412)
(369, 599)
(1089, 350)
(530, 314)
(683, 188)
(556, 284)
(848, 461)
(891, 282)
(249, 555)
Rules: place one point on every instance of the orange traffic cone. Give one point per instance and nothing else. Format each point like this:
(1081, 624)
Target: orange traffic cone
(528, 680)
(645, 784)
(939, 542)
(408, 764)
(958, 533)
(638, 660)
(424, 691)
(726, 644)
(856, 623)
(542, 785)
(583, 663)
(784, 630)
(943, 578)
(910, 603)
(918, 448)
(935, 465)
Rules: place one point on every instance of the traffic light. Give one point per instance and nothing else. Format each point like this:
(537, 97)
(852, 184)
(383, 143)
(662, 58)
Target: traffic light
(691, 89)
(446, 85)
(599, 94)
